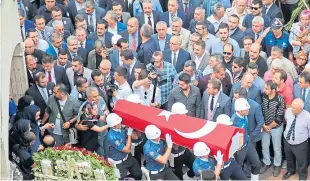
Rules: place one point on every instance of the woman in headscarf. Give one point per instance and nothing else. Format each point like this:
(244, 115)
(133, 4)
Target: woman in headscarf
(19, 128)
(301, 61)
(22, 103)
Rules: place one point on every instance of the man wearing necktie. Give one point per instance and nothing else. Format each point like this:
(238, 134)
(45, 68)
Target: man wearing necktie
(301, 90)
(296, 136)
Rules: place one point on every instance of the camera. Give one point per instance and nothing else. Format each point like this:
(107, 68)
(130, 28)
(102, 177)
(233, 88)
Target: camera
(152, 69)
(111, 87)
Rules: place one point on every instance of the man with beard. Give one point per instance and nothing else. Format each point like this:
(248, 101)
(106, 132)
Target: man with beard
(256, 58)
(77, 70)
(79, 90)
(32, 66)
(31, 50)
(202, 29)
(62, 59)
(187, 94)
(217, 46)
(41, 91)
(102, 33)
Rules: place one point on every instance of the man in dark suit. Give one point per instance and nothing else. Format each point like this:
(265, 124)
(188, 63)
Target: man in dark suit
(130, 61)
(81, 35)
(63, 59)
(31, 50)
(28, 7)
(45, 10)
(74, 50)
(32, 67)
(73, 7)
(126, 5)
(188, 7)
(271, 10)
(257, 28)
(25, 25)
(41, 91)
(173, 12)
(132, 34)
(235, 32)
(176, 55)
(199, 15)
(219, 72)
(54, 73)
(254, 92)
(92, 14)
(102, 33)
(219, 104)
(148, 15)
(162, 38)
(148, 46)
(57, 15)
(115, 55)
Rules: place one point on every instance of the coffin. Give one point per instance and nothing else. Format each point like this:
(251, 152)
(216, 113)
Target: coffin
(184, 130)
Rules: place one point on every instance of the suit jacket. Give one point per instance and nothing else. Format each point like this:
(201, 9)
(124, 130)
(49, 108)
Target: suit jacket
(140, 17)
(125, 17)
(273, 12)
(100, 12)
(114, 59)
(51, 51)
(30, 77)
(48, 31)
(101, 94)
(83, 53)
(182, 57)
(222, 106)
(131, 78)
(165, 17)
(184, 35)
(121, 27)
(298, 94)
(89, 45)
(145, 51)
(34, 92)
(255, 119)
(68, 65)
(167, 41)
(47, 14)
(254, 92)
(92, 60)
(204, 62)
(107, 38)
(60, 76)
(39, 54)
(137, 7)
(210, 26)
(28, 24)
(70, 74)
(71, 8)
(31, 8)
(226, 83)
(192, 5)
(125, 35)
(238, 35)
(67, 24)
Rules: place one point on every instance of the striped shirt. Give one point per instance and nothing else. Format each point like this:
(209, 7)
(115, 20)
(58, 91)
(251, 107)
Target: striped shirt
(273, 109)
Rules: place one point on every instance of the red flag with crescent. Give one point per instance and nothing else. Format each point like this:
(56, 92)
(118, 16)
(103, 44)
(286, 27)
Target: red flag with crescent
(185, 130)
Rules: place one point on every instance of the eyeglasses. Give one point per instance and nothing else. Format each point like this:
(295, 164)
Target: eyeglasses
(255, 8)
(145, 95)
(227, 53)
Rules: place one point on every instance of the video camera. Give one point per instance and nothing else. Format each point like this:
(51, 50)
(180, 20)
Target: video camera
(152, 69)
(111, 87)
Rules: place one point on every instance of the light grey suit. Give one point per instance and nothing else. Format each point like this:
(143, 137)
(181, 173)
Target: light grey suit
(70, 74)
(67, 24)
(125, 17)
(298, 94)
(92, 60)
(222, 106)
(48, 31)
(204, 62)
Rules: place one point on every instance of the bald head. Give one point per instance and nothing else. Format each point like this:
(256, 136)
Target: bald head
(297, 106)
(48, 141)
(255, 51)
(132, 25)
(247, 80)
(29, 46)
(105, 67)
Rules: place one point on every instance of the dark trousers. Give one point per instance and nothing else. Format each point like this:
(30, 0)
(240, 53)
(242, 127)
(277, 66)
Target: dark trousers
(297, 153)
(233, 171)
(187, 158)
(249, 152)
(138, 153)
(166, 174)
(164, 106)
(287, 10)
(130, 165)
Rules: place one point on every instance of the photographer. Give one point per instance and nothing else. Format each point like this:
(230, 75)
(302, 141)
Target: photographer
(79, 90)
(144, 88)
(165, 74)
(123, 90)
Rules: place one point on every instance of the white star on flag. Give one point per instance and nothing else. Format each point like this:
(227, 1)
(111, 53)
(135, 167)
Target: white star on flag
(167, 114)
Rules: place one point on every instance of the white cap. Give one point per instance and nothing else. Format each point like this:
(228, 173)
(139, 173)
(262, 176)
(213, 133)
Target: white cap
(152, 132)
(201, 149)
(113, 119)
(115, 38)
(179, 108)
(241, 104)
(134, 98)
(224, 119)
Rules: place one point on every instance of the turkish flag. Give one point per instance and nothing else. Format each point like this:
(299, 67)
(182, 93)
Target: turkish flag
(184, 130)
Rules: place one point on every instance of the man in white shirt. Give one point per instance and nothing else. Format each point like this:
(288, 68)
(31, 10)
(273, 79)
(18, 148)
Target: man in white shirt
(217, 16)
(240, 10)
(124, 90)
(111, 18)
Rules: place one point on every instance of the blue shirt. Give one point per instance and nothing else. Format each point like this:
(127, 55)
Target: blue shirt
(218, 47)
(165, 81)
(260, 83)
(117, 141)
(151, 151)
(282, 42)
(200, 165)
(162, 44)
(241, 123)
(130, 39)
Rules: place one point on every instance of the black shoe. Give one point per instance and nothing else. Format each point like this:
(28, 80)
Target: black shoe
(287, 175)
(264, 168)
(277, 170)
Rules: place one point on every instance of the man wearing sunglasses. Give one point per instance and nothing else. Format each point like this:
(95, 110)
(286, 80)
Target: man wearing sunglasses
(256, 10)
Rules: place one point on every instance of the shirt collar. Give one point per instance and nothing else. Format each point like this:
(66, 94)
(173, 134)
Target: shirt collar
(243, 14)
(239, 115)
(177, 52)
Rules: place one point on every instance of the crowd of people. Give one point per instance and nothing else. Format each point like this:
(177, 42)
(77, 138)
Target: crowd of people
(233, 62)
